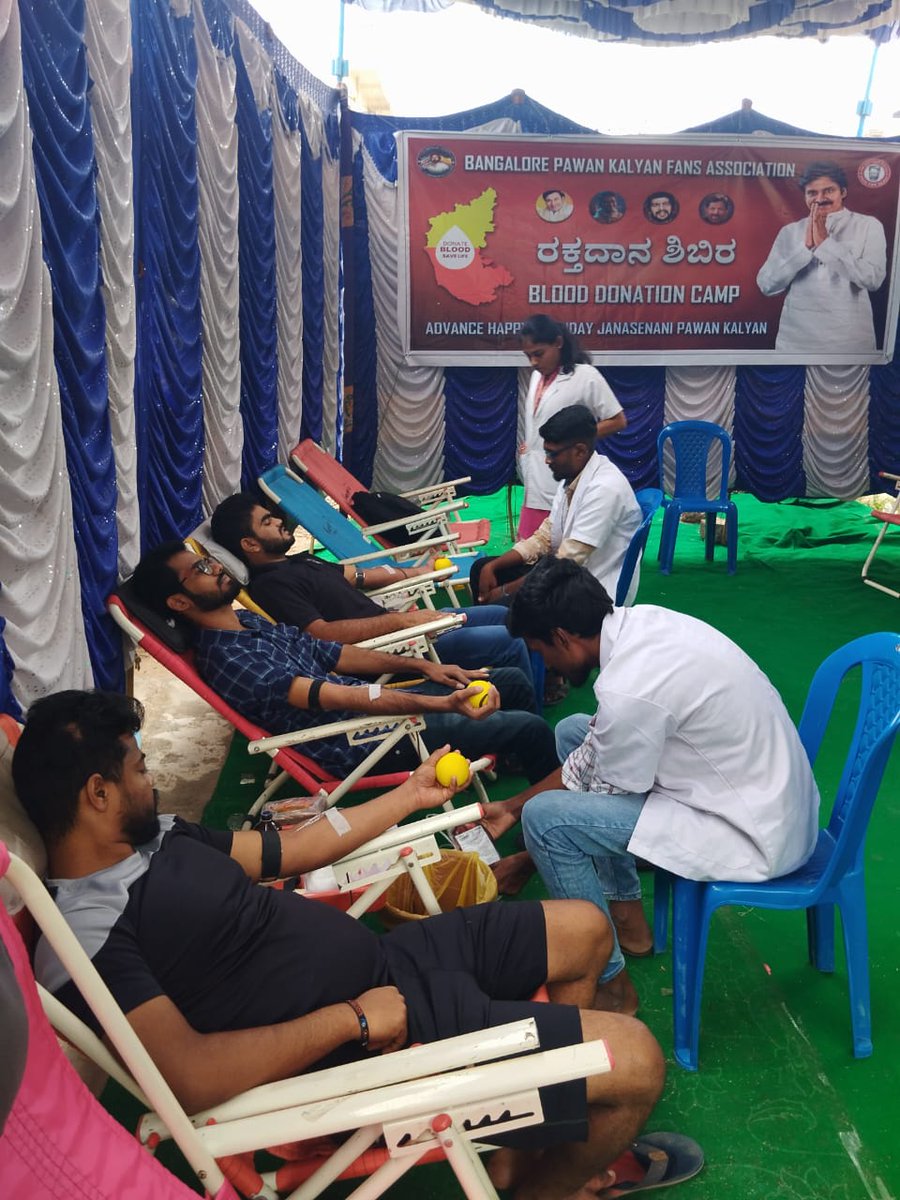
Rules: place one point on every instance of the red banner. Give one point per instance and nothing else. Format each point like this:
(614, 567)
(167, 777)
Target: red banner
(686, 250)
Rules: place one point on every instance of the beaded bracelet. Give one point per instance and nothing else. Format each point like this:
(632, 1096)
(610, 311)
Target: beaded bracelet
(363, 1023)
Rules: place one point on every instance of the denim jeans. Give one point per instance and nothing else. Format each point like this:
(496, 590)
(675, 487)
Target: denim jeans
(579, 841)
(484, 642)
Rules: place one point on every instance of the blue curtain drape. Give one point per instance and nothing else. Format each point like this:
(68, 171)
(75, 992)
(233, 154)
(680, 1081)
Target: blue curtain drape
(768, 431)
(168, 365)
(480, 409)
(54, 63)
(884, 422)
(365, 353)
(642, 393)
(258, 315)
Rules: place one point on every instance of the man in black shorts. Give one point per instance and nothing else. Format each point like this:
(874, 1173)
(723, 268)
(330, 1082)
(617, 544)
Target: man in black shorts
(230, 985)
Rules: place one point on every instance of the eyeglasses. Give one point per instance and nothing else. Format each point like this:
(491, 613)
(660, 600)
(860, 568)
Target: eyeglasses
(202, 566)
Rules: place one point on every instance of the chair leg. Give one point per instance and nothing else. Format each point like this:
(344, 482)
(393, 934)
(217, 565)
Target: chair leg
(856, 948)
(711, 526)
(731, 531)
(662, 885)
(820, 936)
(689, 932)
(667, 539)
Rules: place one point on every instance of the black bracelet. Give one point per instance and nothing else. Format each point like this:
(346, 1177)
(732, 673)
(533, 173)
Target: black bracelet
(363, 1023)
(271, 854)
(312, 696)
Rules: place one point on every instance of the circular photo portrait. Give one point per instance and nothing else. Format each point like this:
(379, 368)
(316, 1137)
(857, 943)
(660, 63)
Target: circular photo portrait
(716, 208)
(660, 208)
(554, 205)
(607, 207)
(436, 160)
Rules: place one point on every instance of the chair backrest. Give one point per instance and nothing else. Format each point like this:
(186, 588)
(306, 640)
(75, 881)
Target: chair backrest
(691, 442)
(649, 499)
(877, 722)
(327, 474)
(303, 504)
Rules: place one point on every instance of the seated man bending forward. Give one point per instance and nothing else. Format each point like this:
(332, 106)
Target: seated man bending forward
(230, 985)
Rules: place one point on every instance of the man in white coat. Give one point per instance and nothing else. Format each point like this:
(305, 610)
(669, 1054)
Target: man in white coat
(593, 517)
(690, 762)
(828, 263)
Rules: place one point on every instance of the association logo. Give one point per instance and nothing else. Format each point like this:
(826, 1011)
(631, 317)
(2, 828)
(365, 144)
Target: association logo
(436, 161)
(873, 172)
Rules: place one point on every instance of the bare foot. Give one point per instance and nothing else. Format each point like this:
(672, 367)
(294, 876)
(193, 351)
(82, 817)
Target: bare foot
(497, 818)
(632, 930)
(513, 872)
(591, 1189)
(618, 995)
(507, 1168)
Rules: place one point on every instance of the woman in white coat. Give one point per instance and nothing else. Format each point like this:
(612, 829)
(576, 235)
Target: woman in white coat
(562, 376)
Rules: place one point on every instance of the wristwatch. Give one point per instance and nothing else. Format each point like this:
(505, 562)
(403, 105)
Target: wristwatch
(360, 579)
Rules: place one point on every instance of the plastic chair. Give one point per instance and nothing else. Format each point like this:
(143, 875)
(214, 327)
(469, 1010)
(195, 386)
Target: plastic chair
(833, 876)
(887, 516)
(691, 443)
(330, 477)
(649, 499)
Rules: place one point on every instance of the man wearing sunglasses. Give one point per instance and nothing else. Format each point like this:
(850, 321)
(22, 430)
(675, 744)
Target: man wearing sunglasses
(593, 518)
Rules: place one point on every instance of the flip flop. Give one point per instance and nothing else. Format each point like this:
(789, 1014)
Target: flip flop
(648, 953)
(655, 1160)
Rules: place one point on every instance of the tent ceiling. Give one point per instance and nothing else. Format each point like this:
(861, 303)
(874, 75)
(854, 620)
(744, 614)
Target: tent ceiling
(680, 21)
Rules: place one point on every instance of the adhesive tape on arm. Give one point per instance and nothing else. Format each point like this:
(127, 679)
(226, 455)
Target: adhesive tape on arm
(374, 691)
(337, 821)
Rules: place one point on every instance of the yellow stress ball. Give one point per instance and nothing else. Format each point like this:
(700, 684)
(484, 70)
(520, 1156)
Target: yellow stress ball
(452, 768)
(441, 564)
(479, 699)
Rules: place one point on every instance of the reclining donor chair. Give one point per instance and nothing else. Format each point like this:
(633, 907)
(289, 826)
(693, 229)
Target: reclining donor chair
(171, 648)
(439, 500)
(426, 1102)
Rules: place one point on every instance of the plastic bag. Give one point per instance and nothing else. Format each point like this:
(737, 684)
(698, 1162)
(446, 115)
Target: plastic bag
(457, 880)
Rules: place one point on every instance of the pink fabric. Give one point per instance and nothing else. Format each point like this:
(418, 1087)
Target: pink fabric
(59, 1141)
(529, 520)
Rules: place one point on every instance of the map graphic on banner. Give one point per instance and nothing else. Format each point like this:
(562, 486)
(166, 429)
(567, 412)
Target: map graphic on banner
(681, 250)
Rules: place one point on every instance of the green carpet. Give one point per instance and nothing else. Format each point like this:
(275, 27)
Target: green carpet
(781, 1108)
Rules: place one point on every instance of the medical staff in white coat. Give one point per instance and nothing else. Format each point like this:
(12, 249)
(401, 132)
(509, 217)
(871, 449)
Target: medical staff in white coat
(562, 376)
(828, 263)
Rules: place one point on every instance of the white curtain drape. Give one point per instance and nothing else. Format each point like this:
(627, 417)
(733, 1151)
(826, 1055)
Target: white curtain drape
(331, 249)
(41, 595)
(288, 280)
(217, 172)
(108, 42)
(836, 431)
(701, 394)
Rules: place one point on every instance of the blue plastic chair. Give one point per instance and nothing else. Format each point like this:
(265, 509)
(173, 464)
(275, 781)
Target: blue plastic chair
(649, 499)
(833, 876)
(691, 444)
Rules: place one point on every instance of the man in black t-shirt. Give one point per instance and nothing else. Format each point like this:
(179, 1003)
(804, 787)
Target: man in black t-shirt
(325, 599)
(230, 985)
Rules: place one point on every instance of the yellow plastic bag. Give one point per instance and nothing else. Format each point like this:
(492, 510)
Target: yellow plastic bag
(460, 878)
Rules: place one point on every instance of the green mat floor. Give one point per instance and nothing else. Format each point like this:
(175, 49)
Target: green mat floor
(781, 1108)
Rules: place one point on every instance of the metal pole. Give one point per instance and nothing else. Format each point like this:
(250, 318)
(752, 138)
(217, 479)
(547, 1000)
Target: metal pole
(339, 64)
(864, 108)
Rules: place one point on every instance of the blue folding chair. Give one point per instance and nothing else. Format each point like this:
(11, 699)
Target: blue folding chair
(833, 876)
(309, 508)
(691, 444)
(649, 499)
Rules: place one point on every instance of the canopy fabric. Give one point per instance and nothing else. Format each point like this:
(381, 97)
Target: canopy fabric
(676, 22)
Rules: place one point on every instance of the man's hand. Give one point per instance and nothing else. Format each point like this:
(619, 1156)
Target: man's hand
(487, 582)
(816, 230)
(422, 789)
(450, 675)
(422, 616)
(385, 1012)
(458, 702)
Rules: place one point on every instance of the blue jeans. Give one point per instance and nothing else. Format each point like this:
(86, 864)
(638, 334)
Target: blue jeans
(484, 642)
(579, 841)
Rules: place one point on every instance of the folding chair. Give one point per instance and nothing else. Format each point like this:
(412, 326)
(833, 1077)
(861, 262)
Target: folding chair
(170, 648)
(887, 516)
(432, 1100)
(307, 507)
(330, 477)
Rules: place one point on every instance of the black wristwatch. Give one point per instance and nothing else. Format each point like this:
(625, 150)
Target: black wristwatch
(360, 579)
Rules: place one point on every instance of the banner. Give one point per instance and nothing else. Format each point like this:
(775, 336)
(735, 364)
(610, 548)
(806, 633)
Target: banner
(688, 250)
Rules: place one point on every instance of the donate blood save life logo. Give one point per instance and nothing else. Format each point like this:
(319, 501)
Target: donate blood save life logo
(455, 250)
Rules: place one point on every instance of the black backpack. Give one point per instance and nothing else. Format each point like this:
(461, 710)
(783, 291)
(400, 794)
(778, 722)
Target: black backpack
(377, 507)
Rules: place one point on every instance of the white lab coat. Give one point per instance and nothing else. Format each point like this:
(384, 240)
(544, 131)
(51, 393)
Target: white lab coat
(685, 716)
(827, 307)
(583, 385)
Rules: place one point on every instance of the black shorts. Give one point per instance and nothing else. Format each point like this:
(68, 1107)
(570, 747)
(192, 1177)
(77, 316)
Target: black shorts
(476, 967)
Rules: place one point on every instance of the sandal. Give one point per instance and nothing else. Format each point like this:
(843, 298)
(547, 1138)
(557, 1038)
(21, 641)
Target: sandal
(655, 1160)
